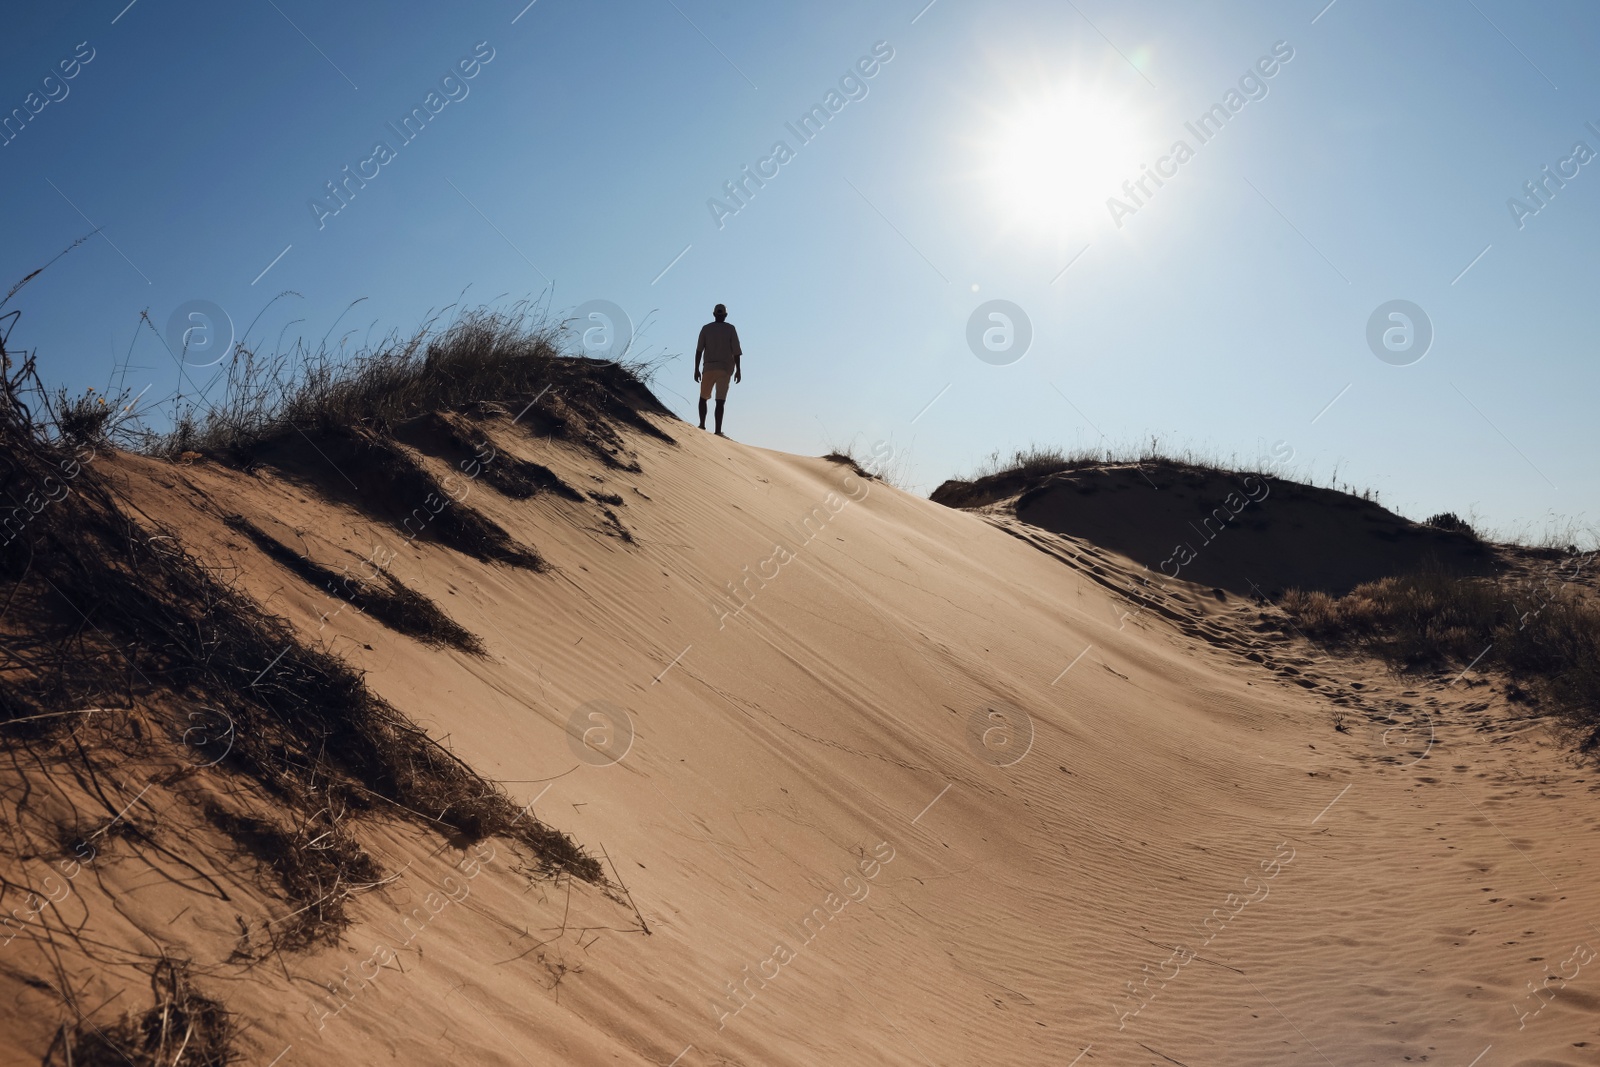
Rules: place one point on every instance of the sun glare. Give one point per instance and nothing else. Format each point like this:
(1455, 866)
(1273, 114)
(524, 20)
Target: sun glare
(1054, 160)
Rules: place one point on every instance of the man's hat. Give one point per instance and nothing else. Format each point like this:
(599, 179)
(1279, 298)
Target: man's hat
(720, 309)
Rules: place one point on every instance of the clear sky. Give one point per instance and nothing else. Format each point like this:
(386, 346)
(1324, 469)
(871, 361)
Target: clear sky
(1224, 309)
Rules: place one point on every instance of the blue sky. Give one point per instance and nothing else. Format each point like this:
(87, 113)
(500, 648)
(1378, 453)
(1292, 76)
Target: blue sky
(1227, 312)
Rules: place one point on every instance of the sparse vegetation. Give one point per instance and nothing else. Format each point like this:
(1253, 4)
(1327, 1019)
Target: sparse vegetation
(362, 429)
(1545, 638)
(318, 859)
(1449, 520)
(106, 611)
(184, 1028)
(111, 635)
(483, 357)
(885, 463)
(846, 459)
(89, 418)
(1037, 461)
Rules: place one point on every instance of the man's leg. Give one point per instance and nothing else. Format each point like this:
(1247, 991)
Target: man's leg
(720, 405)
(703, 414)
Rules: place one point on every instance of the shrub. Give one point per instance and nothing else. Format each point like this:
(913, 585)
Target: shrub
(1542, 635)
(1449, 520)
(85, 418)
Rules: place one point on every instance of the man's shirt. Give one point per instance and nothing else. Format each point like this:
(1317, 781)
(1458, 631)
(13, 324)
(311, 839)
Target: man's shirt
(719, 345)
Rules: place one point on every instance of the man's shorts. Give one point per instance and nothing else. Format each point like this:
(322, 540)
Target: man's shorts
(715, 378)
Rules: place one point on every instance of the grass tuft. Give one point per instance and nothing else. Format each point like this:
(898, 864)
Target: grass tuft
(184, 1028)
(483, 356)
(846, 459)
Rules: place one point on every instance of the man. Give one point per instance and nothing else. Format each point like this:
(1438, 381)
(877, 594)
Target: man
(719, 346)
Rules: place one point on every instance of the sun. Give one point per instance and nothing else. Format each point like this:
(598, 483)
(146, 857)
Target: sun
(1053, 159)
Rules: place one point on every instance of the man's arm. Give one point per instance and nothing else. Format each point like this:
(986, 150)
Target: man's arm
(699, 350)
(738, 355)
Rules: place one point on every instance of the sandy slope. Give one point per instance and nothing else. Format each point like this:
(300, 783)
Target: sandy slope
(1186, 864)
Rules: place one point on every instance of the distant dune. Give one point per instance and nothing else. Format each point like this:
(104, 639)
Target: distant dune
(639, 746)
(1249, 533)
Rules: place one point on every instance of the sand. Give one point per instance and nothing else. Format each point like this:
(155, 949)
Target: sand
(885, 783)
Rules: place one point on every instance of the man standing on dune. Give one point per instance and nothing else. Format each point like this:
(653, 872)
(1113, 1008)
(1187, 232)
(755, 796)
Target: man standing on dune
(719, 346)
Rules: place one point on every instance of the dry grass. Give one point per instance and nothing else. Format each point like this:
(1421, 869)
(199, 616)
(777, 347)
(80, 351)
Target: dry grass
(318, 856)
(184, 1028)
(103, 609)
(1037, 461)
(847, 459)
(89, 418)
(883, 462)
(483, 356)
(1543, 634)
(370, 430)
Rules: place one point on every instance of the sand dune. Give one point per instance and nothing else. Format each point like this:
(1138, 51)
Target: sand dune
(873, 780)
(1247, 533)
